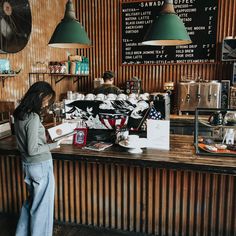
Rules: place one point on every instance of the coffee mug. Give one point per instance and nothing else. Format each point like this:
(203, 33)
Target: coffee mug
(111, 96)
(80, 96)
(89, 96)
(100, 97)
(133, 100)
(122, 96)
(132, 95)
(143, 96)
(133, 140)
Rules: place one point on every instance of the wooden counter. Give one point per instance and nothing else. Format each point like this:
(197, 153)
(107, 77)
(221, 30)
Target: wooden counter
(157, 192)
(181, 155)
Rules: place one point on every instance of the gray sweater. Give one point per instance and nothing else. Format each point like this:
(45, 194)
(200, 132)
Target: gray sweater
(31, 139)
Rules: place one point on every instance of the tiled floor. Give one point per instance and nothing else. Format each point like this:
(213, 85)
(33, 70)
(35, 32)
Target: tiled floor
(8, 226)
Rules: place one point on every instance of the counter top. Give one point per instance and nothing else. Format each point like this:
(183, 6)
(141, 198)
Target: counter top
(181, 155)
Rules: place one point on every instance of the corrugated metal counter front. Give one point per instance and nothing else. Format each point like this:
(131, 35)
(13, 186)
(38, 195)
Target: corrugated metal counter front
(157, 192)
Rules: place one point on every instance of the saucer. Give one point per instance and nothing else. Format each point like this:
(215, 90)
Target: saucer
(135, 150)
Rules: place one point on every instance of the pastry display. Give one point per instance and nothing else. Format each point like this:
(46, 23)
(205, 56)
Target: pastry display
(220, 146)
(215, 132)
(211, 148)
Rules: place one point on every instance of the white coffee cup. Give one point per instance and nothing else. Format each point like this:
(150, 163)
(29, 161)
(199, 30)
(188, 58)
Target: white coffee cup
(69, 95)
(89, 96)
(133, 100)
(80, 96)
(142, 97)
(132, 95)
(122, 96)
(99, 99)
(111, 96)
(101, 95)
(133, 140)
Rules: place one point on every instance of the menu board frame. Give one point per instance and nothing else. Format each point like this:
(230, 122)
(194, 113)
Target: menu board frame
(211, 48)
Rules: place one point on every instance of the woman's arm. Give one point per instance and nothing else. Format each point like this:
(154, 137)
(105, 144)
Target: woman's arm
(33, 145)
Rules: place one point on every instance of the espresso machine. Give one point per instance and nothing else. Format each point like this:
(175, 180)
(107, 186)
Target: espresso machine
(193, 94)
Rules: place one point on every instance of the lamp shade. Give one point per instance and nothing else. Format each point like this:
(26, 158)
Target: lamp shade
(167, 29)
(69, 33)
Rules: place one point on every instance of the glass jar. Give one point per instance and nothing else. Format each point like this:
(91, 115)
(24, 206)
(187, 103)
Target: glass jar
(230, 118)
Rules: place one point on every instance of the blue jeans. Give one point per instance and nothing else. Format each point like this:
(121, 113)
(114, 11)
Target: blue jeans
(36, 218)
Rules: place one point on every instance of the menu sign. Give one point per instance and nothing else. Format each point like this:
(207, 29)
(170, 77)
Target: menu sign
(199, 17)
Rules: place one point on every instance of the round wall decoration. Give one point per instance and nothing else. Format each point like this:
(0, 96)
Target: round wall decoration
(15, 25)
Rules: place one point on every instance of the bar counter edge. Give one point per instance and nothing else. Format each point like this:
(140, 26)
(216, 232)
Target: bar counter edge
(180, 156)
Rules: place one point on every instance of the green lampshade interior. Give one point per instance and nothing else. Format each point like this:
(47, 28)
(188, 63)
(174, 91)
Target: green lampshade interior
(167, 29)
(69, 33)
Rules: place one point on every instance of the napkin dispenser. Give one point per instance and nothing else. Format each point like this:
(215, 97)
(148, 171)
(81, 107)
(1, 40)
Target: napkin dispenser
(192, 95)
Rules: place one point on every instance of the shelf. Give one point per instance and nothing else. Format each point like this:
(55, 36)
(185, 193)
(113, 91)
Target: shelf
(5, 76)
(206, 143)
(206, 123)
(56, 76)
(77, 76)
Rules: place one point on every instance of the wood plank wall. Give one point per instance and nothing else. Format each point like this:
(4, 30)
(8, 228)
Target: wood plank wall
(103, 26)
(101, 19)
(151, 200)
(46, 15)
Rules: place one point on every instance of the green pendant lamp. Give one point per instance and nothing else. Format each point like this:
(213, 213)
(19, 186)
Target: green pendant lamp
(167, 29)
(69, 33)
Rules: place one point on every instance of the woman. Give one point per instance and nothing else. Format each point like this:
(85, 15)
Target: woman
(36, 218)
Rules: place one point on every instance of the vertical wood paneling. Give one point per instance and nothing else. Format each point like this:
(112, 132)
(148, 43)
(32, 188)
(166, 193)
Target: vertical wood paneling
(141, 199)
(192, 202)
(101, 20)
(132, 199)
(119, 198)
(95, 195)
(89, 194)
(150, 203)
(138, 202)
(45, 16)
(71, 192)
(60, 192)
(100, 197)
(107, 196)
(12, 188)
(113, 190)
(83, 193)
(4, 185)
(104, 20)
(77, 192)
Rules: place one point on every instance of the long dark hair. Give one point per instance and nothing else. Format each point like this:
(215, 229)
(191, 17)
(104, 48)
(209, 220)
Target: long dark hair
(33, 99)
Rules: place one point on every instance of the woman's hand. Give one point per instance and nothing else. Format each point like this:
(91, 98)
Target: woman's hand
(58, 143)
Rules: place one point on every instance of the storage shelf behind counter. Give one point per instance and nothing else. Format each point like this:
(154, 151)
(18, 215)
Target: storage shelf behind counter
(154, 192)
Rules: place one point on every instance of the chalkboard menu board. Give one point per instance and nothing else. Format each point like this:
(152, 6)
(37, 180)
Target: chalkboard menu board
(199, 17)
